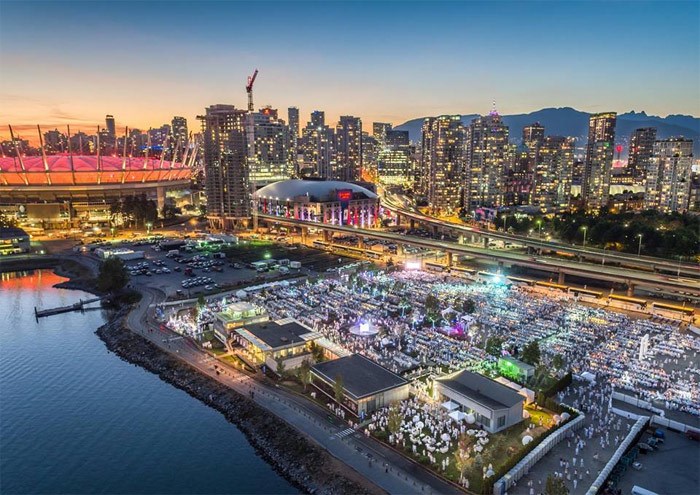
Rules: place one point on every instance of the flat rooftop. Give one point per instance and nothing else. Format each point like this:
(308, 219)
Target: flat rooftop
(483, 390)
(361, 376)
(271, 335)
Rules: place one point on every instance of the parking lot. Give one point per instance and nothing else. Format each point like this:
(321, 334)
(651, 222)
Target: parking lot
(191, 272)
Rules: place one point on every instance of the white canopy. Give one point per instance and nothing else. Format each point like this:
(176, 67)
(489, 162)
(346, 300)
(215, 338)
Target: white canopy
(450, 406)
(457, 415)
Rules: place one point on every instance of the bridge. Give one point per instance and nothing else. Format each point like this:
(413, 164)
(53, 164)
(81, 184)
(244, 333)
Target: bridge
(594, 254)
(632, 278)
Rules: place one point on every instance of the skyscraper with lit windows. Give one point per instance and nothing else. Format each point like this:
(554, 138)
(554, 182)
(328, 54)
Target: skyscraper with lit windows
(226, 166)
(488, 155)
(640, 152)
(442, 163)
(348, 135)
(595, 187)
(669, 176)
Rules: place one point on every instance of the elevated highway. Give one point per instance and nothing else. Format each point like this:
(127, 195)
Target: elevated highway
(632, 278)
(601, 256)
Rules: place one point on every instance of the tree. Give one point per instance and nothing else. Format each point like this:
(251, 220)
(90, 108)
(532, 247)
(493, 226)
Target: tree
(555, 486)
(432, 304)
(338, 389)
(531, 353)
(462, 454)
(281, 367)
(469, 306)
(304, 373)
(170, 211)
(557, 362)
(113, 275)
(394, 420)
(494, 345)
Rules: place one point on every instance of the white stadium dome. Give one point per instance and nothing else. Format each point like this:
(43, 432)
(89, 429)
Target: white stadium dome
(317, 190)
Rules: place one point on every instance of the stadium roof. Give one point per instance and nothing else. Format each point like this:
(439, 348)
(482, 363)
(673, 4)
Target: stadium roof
(66, 170)
(316, 190)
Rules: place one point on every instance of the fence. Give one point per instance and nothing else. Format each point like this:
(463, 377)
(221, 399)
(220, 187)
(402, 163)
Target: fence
(526, 463)
(642, 404)
(638, 426)
(673, 425)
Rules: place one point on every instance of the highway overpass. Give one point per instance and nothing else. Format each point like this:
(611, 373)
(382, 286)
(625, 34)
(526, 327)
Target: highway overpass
(645, 262)
(633, 278)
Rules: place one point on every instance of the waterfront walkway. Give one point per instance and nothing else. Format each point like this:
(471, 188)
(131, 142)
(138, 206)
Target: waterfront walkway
(384, 467)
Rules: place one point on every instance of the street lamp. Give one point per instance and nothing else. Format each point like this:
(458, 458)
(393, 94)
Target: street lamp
(504, 222)
(639, 250)
(539, 226)
(148, 227)
(585, 229)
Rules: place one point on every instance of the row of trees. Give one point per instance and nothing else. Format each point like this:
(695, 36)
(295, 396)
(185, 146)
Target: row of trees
(671, 235)
(134, 211)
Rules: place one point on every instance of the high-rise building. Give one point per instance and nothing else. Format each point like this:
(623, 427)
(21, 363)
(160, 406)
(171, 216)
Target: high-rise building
(553, 174)
(640, 152)
(600, 149)
(669, 175)
(488, 156)
(55, 141)
(348, 135)
(111, 126)
(268, 149)
(442, 163)
(394, 138)
(380, 130)
(226, 167)
(533, 135)
(394, 166)
(293, 123)
(179, 129)
(318, 118)
(318, 147)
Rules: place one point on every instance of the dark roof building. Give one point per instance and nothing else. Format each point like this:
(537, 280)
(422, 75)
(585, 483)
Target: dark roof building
(367, 386)
(494, 405)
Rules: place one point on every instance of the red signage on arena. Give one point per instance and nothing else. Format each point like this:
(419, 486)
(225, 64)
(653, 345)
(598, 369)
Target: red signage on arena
(344, 195)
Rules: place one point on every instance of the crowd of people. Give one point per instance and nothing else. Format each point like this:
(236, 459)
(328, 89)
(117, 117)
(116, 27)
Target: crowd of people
(588, 339)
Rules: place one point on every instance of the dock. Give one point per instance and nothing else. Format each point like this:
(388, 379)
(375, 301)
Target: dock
(78, 306)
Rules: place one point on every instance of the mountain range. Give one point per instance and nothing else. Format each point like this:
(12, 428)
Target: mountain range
(568, 121)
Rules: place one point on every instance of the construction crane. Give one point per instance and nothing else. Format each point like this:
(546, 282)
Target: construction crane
(249, 89)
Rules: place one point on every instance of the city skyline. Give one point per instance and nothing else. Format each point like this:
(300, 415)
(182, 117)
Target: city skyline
(390, 62)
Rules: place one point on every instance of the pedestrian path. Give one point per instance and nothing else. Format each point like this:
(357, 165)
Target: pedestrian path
(345, 433)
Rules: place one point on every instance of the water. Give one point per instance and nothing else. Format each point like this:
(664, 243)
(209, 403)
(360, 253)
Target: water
(76, 419)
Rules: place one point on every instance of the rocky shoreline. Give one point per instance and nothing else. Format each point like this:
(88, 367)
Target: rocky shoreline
(304, 464)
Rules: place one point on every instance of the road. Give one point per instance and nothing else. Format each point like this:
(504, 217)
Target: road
(647, 262)
(365, 455)
(554, 265)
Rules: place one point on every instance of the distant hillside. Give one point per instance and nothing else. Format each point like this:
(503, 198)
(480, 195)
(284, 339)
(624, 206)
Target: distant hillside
(570, 122)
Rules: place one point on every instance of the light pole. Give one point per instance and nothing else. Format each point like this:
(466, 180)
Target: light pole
(504, 222)
(639, 250)
(148, 227)
(539, 227)
(585, 229)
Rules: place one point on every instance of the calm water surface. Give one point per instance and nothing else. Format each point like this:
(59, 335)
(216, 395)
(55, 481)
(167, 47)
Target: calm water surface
(74, 418)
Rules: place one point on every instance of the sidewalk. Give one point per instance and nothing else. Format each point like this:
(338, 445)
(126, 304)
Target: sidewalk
(387, 469)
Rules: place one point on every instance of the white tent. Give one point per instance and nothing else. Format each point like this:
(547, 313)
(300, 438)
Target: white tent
(588, 376)
(457, 415)
(450, 406)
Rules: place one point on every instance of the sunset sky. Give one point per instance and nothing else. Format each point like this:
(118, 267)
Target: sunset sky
(74, 62)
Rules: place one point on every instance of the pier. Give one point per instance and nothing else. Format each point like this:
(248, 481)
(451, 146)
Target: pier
(78, 306)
